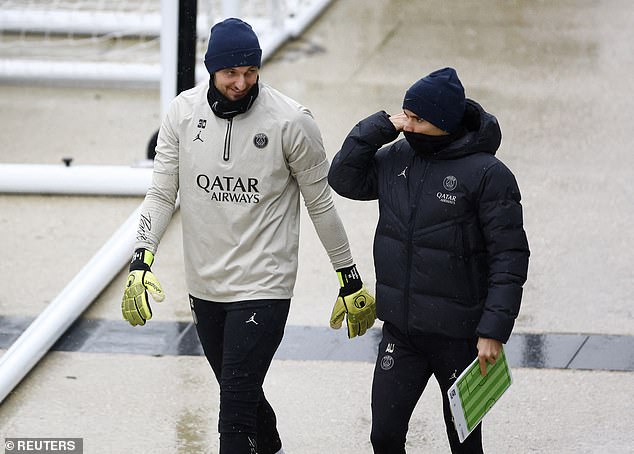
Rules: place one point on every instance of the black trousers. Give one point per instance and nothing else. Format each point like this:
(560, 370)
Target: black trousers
(239, 340)
(403, 368)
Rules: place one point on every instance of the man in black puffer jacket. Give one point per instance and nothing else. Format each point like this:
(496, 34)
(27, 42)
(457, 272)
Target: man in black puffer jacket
(450, 251)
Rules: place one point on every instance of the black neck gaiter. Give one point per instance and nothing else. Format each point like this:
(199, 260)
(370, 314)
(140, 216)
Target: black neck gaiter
(429, 145)
(223, 107)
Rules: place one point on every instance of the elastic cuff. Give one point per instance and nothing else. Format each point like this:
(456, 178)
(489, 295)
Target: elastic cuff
(349, 280)
(142, 259)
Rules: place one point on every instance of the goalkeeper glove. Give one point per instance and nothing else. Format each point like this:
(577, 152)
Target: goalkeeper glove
(135, 305)
(354, 302)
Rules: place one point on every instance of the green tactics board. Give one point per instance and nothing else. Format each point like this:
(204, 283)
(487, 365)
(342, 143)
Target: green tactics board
(473, 395)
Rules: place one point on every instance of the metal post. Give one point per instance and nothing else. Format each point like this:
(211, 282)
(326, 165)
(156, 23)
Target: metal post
(186, 73)
(77, 180)
(169, 51)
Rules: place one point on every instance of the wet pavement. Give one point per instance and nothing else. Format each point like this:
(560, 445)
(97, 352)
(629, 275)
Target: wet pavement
(556, 74)
(314, 343)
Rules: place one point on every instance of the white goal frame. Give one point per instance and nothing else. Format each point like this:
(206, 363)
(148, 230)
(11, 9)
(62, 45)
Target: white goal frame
(284, 19)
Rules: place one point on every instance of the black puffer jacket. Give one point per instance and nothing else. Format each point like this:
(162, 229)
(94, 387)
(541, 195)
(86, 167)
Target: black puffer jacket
(450, 251)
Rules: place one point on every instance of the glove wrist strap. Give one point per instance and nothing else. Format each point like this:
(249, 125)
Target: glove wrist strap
(141, 260)
(349, 280)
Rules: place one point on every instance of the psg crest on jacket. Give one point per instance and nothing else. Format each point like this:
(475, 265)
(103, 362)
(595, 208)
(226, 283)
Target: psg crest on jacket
(260, 140)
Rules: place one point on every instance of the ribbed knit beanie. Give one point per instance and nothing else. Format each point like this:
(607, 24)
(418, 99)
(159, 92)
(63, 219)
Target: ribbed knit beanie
(232, 43)
(438, 98)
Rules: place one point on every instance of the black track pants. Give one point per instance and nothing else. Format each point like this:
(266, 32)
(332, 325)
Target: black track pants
(239, 340)
(403, 368)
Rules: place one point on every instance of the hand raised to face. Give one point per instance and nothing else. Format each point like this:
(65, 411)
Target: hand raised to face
(399, 120)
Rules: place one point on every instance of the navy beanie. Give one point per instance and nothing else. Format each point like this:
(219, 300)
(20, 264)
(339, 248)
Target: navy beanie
(232, 43)
(438, 98)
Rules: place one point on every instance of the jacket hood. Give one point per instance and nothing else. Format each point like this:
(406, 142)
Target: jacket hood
(482, 135)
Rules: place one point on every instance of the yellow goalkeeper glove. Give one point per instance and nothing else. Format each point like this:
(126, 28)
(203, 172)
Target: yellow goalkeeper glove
(354, 302)
(135, 305)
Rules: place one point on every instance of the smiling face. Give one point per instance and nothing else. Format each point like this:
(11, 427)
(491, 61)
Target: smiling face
(235, 83)
(417, 125)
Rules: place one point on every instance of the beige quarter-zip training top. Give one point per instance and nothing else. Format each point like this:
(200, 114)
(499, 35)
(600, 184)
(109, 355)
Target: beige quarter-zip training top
(239, 182)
